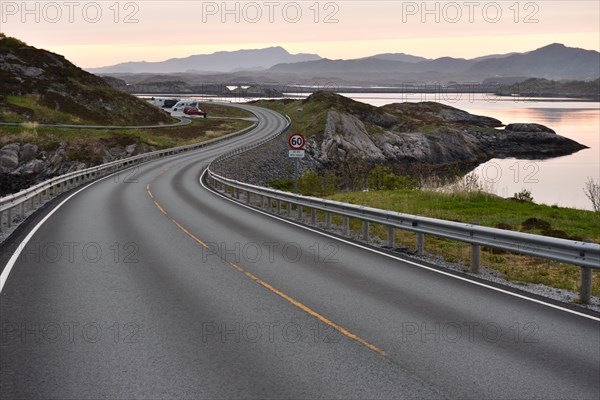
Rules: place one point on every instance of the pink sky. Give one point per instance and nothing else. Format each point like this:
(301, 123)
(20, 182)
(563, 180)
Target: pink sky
(93, 34)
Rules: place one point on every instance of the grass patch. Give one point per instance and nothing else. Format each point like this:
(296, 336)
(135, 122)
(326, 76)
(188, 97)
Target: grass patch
(307, 118)
(87, 145)
(489, 211)
(31, 103)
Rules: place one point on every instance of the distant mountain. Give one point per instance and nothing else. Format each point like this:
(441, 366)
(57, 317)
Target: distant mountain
(399, 57)
(555, 61)
(326, 65)
(552, 61)
(482, 58)
(222, 61)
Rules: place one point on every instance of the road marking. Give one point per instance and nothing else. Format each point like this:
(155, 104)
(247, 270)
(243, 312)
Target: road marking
(310, 311)
(520, 296)
(13, 259)
(189, 234)
(279, 293)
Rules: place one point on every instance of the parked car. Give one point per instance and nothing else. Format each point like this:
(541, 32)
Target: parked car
(194, 111)
(183, 104)
(168, 103)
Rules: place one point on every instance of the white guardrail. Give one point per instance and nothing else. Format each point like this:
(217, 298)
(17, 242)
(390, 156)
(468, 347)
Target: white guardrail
(32, 197)
(583, 254)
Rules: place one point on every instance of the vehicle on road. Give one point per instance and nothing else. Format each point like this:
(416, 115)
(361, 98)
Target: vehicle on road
(194, 111)
(183, 104)
(166, 103)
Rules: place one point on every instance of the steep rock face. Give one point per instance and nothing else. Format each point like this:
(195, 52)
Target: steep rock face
(23, 165)
(344, 135)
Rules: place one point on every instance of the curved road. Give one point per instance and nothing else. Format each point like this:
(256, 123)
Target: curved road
(147, 285)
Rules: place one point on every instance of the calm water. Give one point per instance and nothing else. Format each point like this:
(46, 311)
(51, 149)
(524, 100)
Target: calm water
(557, 181)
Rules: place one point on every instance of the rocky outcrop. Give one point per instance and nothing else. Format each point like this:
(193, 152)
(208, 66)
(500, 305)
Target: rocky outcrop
(23, 165)
(412, 138)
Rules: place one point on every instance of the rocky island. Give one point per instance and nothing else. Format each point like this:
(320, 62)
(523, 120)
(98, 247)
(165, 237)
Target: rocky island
(411, 138)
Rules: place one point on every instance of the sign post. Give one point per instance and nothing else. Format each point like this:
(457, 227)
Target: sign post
(296, 142)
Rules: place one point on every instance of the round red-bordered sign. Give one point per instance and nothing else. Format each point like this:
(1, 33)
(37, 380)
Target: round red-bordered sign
(296, 141)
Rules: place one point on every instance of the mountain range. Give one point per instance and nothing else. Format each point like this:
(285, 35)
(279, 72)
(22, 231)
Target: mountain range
(222, 61)
(555, 61)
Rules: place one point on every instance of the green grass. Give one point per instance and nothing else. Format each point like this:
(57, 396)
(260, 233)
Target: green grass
(309, 118)
(489, 211)
(41, 112)
(87, 145)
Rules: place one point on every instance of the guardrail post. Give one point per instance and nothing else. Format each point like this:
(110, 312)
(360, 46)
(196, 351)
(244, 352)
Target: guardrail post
(327, 219)
(299, 209)
(475, 258)
(313, 216)
(262, 201)
(22, 210)
(346, 225)
(366, 231)
(289, 209)
(585, 293)
(1, 220)
(248, 194)
(420, 243)
(235, 193)
(278, 207)
(9, 217)
(391, 237)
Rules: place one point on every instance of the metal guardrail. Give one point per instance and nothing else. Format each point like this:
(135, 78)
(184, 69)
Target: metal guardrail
(32, 197)
(583, 254)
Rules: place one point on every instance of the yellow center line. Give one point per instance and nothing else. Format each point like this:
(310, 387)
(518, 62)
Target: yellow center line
(276, 291)
(189, 234)
(310, 311)
(160, 208)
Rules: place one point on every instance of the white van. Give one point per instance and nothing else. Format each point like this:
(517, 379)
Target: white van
(185, 103)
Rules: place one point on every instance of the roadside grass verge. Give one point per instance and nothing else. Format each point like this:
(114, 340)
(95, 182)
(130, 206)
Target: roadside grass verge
(487, 210)
(88, 145)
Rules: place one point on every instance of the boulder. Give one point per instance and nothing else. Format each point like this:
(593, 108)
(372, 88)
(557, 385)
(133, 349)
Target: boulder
(534, 128)
(9, 157)
(28, 152)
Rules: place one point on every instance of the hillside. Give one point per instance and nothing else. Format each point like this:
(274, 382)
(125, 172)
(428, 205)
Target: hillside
(348, 138)
(41, 86)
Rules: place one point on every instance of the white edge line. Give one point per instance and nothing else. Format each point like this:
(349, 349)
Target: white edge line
(401, 259)
(13, 259)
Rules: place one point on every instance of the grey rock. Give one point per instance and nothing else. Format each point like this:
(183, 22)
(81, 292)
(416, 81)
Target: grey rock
(535, 128)
(344, 136)
(131, 149)
(9, 157)
(28, 152)
(30, 168)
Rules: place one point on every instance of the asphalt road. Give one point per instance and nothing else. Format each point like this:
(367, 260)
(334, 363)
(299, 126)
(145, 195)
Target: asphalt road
(147, 285)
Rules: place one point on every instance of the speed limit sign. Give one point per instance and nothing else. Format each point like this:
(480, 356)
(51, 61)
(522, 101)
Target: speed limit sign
(296, 141)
